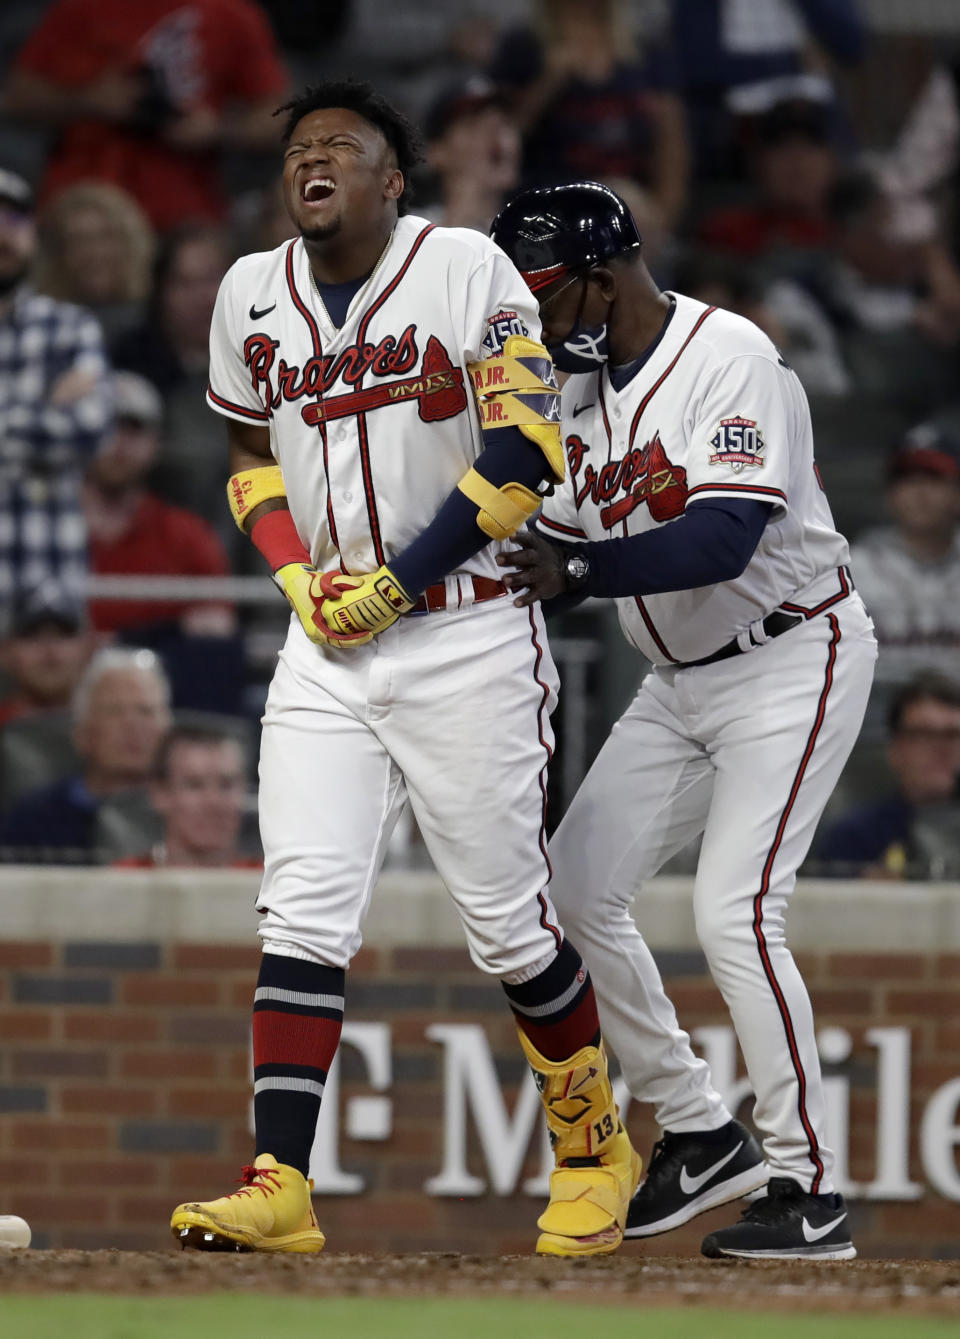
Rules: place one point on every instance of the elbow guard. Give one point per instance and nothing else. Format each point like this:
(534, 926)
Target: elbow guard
(500, 511)
(249, 488)
(519, 389)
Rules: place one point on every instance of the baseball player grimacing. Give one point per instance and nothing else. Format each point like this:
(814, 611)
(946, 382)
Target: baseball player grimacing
(693, 500)
(393, 419)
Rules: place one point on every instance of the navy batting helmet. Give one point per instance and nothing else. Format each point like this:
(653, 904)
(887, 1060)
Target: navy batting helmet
(550, 230)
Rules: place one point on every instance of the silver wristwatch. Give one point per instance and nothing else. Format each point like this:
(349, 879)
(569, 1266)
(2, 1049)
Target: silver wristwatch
(576, 569)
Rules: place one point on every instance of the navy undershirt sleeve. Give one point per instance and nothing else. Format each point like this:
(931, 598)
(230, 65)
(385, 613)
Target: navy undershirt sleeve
(712, 541)
(453, 535)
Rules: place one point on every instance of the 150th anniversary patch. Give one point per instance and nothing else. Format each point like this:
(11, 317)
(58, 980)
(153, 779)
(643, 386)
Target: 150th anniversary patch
(500, 327)
(737, 442)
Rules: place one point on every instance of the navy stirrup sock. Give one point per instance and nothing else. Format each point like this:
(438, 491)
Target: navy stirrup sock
(297, 1017)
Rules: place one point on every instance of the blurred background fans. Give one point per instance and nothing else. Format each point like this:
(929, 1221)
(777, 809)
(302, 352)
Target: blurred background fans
(794, 161)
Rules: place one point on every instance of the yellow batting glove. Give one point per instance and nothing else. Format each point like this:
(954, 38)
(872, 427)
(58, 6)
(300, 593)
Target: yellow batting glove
(364, 604)
(302, 585)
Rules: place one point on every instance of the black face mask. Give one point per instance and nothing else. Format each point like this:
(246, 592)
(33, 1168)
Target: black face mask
(585, 348)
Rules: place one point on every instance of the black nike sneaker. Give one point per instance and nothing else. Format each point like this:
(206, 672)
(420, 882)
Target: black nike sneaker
(786, 1224)
(691, 1173)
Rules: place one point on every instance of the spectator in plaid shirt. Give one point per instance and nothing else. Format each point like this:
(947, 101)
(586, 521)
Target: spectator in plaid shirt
(54, 409)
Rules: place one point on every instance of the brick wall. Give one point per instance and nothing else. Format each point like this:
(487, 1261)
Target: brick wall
(124, 1088)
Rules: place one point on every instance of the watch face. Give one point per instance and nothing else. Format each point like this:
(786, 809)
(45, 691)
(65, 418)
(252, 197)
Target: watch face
(577, 568)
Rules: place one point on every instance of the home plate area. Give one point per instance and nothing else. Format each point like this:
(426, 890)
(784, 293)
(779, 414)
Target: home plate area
(905, 1286)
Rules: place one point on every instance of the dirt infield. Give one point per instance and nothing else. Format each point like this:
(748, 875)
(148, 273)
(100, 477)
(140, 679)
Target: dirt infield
(910, 1286)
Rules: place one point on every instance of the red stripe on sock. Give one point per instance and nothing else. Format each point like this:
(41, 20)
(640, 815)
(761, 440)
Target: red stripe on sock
(559, 1041)
(294, 1039)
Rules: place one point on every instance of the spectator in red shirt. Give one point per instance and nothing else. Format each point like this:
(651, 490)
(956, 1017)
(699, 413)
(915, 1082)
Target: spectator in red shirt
(145, 94)
(44, 652)
(794, 166)
(133, 532)
(200, 792)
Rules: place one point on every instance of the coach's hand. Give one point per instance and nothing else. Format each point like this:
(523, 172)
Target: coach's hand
(540, 568)
(303, 587)
(364, 604)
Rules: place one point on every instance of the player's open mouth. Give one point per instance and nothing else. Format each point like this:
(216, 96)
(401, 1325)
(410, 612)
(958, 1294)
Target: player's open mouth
(317, 189)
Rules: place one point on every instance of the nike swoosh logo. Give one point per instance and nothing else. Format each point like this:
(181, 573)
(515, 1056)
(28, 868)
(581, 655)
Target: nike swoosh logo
(581, 407)
(691, 1184)
(255, 315)
(815, 1233)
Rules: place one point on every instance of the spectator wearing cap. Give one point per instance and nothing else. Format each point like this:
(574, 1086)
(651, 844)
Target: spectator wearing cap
(134, 533)
(121, 712)
(909, 572)
(473, 147)
(590, 105)
(54, 408)
(793, 165)
(146, 96)
(96, 249)
(914, 832)
(725, 48)
(43, 654)
(199, 790)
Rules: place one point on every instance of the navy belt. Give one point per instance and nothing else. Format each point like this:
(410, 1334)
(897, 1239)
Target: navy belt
(774, 625)
(777, 623)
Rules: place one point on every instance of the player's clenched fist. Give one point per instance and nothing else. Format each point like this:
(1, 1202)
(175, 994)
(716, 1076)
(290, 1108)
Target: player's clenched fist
(303, 587)
(364, 604)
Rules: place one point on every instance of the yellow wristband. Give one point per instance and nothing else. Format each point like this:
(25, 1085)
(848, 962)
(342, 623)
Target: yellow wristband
(249, 488)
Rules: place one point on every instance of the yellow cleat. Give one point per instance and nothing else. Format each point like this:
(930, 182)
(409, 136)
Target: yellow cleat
(597, 1168)
(271, 1212)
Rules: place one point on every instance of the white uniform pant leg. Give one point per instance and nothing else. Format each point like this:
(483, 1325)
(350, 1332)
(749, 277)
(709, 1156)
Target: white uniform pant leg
(644, 798)
(786, 719)
(329, 798)
(470, 729)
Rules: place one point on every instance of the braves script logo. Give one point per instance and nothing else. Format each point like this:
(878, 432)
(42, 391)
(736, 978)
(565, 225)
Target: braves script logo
(737, 442)
(644, 474)
(275, 380)
(438, 389)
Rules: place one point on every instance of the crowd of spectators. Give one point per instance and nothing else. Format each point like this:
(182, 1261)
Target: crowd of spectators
(138, 158)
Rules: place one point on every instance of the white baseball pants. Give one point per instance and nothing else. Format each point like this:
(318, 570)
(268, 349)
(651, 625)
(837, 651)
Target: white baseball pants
(746, 751)
(448, 711)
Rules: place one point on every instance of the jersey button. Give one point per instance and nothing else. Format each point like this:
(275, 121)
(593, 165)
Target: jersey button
(348, 497)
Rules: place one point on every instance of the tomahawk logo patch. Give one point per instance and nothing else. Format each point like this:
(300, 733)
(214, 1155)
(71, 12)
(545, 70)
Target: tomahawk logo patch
(737, 442)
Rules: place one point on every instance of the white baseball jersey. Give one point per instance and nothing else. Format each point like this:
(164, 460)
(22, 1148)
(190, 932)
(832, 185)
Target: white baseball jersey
(744, 751)
(714, 412)
(913, 603)
(372, 424)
